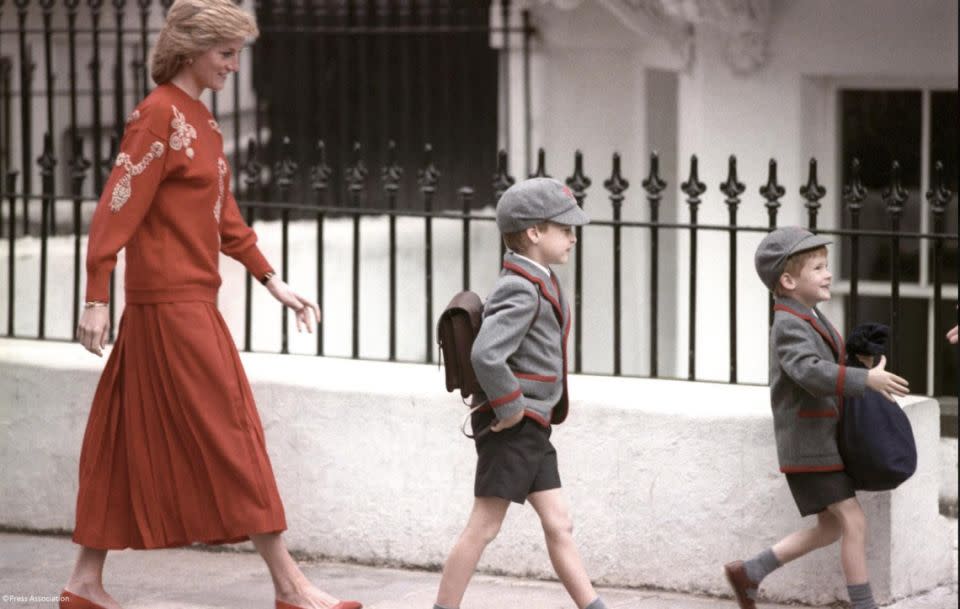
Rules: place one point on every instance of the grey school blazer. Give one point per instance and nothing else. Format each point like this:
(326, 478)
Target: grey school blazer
(520, 370)
(808, 382)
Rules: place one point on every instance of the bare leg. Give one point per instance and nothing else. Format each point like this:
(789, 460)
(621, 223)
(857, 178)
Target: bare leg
(289, 582)
(481, 529)
(853, 545)
(795, 545)
(558, 531)
(87, 578)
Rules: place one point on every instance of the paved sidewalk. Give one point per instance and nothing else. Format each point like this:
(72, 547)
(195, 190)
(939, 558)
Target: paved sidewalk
(197, 579)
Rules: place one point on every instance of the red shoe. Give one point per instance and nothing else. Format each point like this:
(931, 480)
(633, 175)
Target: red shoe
(69, 600)
(737, 576)
(340, 605)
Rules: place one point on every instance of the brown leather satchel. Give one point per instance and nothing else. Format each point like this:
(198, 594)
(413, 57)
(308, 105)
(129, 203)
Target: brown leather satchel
(458, 327)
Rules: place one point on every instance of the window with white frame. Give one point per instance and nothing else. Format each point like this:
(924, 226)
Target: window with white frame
(916, 127)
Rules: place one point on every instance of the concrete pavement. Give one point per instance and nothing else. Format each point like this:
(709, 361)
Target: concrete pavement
(37, 565)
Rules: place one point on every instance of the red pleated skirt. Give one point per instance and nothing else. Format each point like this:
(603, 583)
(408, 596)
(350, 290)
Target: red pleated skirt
(174, 451)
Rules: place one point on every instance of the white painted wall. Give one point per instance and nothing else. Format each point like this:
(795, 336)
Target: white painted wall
(666, 480)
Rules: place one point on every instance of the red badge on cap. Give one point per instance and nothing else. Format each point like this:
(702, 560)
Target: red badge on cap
(568, 192)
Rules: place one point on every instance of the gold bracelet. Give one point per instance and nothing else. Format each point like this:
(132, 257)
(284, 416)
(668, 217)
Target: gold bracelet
(93, 304)
(267, 277)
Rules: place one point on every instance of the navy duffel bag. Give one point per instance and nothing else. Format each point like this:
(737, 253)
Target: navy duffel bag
(875, 436)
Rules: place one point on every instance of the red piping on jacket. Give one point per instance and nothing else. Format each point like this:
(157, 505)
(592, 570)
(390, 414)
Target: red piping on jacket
(839, 351)
(535, 377)
(807, 469)
(506, 399)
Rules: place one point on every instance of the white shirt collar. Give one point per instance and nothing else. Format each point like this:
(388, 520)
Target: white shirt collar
(545, 270)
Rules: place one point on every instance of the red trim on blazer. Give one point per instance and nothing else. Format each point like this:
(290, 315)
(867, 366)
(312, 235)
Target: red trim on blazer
(817, 414)
(813, 322)
(543, 288)
(810, 469)
(840, 379)
(535, 417)
(505, 399)
(840, 351)
(535, 377)
(563, 348)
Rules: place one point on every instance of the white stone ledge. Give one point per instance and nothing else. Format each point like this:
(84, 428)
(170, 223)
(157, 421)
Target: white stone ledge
(666, 480)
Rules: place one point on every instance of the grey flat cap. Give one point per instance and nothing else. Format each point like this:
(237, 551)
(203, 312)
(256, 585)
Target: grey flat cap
(537, 200)
(773, 251)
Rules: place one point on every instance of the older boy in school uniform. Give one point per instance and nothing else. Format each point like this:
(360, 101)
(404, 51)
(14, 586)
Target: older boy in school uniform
(808, 381)
(520, 359)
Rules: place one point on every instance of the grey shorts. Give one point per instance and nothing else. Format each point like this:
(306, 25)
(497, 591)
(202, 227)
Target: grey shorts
(515, 462)
(814, 492)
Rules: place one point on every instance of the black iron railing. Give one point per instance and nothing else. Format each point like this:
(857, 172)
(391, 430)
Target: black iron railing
(260, 196)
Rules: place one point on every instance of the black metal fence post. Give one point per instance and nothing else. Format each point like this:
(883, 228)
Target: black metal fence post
(771, 192)
(654, 187)
(578, 183)
(78, 172)
(391, 175)
(732, 189)
(693, 188)
(428, 178)
(11, 184)
(251, 171)
(812, 192)
(355, 179)
(466, 204)
(854, 194)
(939, 197)
(894, 198)
(47, 163)
(320, 176)
(616, 184)
(284, 172)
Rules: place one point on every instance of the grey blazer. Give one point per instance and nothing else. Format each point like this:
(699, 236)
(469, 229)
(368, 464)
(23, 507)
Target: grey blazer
(808, 382)
(523, 370)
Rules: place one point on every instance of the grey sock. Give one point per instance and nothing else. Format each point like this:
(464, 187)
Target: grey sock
(760, 566)
(861, 596)
(436, 606)
(597, 603)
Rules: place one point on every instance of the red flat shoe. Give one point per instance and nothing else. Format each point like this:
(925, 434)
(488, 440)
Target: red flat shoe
(340, 605)
(69, 600)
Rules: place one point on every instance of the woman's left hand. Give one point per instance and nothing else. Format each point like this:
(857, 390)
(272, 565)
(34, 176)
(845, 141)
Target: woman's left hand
(306, 311)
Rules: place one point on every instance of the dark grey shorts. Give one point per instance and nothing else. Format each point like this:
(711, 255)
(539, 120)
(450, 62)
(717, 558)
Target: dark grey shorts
(814, 491)
(514, 462)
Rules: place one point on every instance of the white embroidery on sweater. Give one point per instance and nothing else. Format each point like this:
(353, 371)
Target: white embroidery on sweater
(124, 187)
(133, 116)
(222, 171)
(213, 125)
(183, 133)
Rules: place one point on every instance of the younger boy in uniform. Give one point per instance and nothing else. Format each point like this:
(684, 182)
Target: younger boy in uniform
(808, 381)
(520, 359)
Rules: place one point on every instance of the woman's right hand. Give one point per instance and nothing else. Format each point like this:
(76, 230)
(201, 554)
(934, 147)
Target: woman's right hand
(94, 328)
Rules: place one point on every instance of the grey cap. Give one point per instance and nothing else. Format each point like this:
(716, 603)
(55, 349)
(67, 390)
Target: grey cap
(778, 246)
(538, 200)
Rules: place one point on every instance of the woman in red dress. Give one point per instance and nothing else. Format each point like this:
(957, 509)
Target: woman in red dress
(174, 449)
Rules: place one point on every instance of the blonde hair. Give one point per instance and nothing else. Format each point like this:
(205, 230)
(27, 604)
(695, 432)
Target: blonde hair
(193, 27)
(795, 265)
(518, 241)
